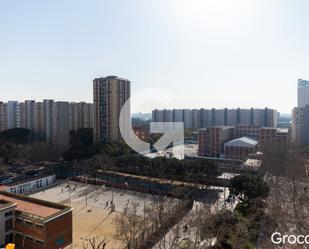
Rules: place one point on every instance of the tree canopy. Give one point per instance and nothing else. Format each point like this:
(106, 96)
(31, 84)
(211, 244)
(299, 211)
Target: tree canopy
(248, 189)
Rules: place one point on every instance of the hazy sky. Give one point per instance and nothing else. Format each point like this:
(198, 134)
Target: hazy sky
(208, 53)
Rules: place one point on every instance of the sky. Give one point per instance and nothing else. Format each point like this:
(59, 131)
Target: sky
(207, 53)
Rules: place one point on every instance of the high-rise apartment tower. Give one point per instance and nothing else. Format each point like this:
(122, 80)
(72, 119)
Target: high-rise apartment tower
(109, 96)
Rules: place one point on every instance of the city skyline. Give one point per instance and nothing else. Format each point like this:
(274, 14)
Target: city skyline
(209, 54)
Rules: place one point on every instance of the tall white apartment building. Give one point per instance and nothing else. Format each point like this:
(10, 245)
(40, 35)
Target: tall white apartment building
(48, 106)
(300, 114)
(27, 110)
(244, 116)
(60, 123)
(197, 118)
(218, 117)
(86, 116)
(13, 115)
(73, 116)
(159, 116)
(232, 117)
(48, 120)
(30, 114)
(187, 118)
(300, 125)
(203, 118)
(3, 116)
(38, 120)
(109, 96)
(81, 115)
(168, 115)
(302, 93)
(178, 115)
(206, 118)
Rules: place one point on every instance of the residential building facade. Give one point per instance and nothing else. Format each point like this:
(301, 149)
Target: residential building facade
(48, 120)
(302, 93)
(3, 116)
(300, 125)
(13, 115)
(61, 123)
(300, 115)
(109, 96)
(211, 140)
(7, 210)
(202, 118)
(34, 224)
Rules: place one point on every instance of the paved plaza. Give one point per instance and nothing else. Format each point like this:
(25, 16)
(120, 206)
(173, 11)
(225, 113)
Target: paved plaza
(92, 216)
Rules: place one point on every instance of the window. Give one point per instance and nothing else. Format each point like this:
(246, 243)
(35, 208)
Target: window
(39, 226)
(8, 214)
(18, 236)
(30, 223)
(19, 220)
(29, 238)
(8, 225)
(40, 242)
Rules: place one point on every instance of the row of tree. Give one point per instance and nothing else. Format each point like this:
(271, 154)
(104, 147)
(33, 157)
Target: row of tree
(202, 227)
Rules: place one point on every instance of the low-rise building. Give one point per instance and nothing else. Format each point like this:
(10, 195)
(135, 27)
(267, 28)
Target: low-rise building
(240, 148)
(211, 140)
(34, 224)
(278, 136)
(6, 222)
(29, 185)
(250, 131)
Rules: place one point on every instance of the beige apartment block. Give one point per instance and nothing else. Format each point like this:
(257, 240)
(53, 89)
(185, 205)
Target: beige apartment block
(109, 96)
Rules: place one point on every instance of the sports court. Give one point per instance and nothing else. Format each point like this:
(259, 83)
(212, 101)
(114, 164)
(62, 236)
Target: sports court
(92, 216)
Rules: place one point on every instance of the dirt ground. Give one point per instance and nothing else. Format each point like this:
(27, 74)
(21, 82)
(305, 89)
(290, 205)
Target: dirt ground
(91, 216)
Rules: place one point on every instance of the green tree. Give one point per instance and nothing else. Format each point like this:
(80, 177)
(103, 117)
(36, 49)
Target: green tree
(248, 189)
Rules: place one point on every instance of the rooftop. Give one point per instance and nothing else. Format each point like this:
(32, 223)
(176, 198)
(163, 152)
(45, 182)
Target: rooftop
(29, 179)
(283, 130)
(218, 126)
(302, 83)
(6, 204)
(269, 128)
(110, 77)
(31, 206)
(242, 142)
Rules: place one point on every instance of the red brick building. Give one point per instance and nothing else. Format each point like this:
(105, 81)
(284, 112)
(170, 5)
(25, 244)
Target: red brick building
(38, 224)
(211, 140)
(250, 131)
(279, 136)
(240, 148)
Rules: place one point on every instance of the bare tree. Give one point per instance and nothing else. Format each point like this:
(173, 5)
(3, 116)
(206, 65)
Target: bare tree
(95, 243)
(158, 213)
(285, 171)
(130, 225)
